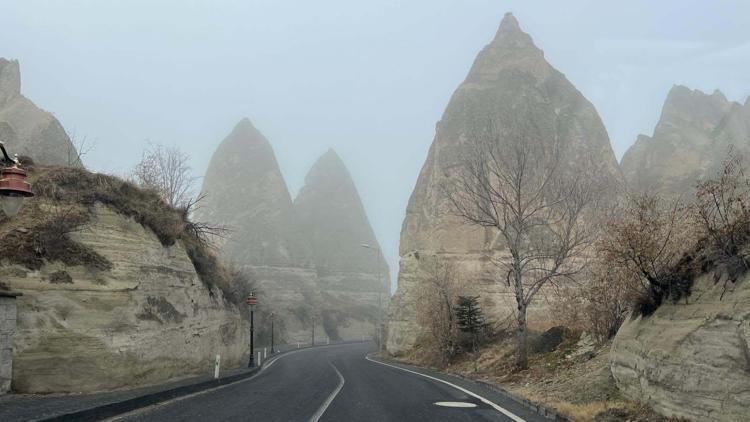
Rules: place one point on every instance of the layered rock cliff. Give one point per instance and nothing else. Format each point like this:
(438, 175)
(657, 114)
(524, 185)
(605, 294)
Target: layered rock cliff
(28, 130)
(509, 81)
(353, 280)
(690, 141)
(108, 302)
(690, 359)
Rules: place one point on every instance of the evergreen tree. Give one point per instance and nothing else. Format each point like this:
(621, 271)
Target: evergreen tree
(469, 315)
(470, 320)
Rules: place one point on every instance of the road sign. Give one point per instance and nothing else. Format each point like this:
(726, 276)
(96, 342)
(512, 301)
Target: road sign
(251, 300)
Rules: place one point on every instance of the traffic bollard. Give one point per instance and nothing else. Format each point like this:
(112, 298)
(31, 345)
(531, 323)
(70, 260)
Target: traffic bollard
(216, 366)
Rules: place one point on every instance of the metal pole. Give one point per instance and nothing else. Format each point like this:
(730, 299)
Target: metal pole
(380, 305)
(313, 331)
(271, 332)
(252, 345)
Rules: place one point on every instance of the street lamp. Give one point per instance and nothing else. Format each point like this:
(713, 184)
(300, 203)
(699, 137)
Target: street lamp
(380, 288)
(251, 301)
(13, 185)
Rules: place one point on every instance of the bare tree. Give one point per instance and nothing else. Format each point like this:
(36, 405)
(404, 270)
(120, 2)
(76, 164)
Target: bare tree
(511, 179)
(644, 244)
(166, 170)
(77, 149)
(722, 211)
(436, 309)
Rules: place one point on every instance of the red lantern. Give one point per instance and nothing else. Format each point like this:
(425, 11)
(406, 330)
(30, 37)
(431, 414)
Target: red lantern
(13, 189)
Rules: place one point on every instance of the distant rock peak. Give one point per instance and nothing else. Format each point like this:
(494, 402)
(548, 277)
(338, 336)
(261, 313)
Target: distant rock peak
(10, 80)
(510, 33)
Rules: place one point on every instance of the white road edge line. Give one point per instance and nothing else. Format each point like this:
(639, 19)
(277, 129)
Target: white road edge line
(496, 406)
(210, 390)
(330, 398)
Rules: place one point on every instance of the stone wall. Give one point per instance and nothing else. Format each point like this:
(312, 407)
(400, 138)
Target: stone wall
(7, 331)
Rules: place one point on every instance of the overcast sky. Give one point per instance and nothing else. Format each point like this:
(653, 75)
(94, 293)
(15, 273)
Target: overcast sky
(368, 78)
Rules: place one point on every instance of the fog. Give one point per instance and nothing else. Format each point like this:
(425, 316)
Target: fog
(369, 79)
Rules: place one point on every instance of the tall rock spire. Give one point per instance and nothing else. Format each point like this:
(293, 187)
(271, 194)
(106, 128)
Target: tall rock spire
(36, 133)
(510, 81)
(244, 190)
(330, 212)
(353, 279)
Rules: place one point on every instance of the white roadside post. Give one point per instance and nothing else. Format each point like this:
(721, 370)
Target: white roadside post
(259, 361)
(265, 353)
(217, 365)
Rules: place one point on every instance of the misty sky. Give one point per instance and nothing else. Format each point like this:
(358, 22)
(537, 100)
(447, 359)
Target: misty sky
(368, 78)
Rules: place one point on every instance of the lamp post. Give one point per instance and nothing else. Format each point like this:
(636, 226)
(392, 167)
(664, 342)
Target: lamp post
(13, 185)
(251, 301)
(380, 291)
(272, 315)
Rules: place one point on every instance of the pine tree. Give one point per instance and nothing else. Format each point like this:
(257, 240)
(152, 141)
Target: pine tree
(469, 315)
(470, 319)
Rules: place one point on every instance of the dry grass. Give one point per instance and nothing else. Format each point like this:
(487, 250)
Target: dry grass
(64, 203)
(578, 386)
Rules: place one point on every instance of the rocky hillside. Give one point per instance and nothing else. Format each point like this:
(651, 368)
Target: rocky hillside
(331, 218)
(690, 359)
(690, 141)
(305, 256)
(28, 130)
(509, 75)
(118, 290)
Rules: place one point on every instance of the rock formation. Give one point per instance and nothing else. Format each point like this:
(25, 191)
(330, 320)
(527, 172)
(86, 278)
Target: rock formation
(331, 218)
(245, 191)
(691, 359)
(116, 308)
(510, 80)
(28, 130)
(689, 143)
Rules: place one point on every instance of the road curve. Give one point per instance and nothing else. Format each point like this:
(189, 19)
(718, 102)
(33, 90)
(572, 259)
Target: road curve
(338, 383)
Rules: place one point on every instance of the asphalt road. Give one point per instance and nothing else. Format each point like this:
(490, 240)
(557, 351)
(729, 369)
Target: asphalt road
(339, 383)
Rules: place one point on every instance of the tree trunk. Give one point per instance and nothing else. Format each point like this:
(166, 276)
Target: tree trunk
(522, 352)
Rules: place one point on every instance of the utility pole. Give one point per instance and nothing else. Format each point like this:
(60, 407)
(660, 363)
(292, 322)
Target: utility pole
(251, 301)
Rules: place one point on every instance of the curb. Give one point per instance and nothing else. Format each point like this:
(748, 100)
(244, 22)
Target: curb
(543, 411)
(109, 410)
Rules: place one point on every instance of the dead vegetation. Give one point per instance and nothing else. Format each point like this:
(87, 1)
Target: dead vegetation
(64, 203)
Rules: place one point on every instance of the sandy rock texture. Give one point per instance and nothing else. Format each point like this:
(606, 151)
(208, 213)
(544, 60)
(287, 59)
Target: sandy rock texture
(691, 359)
(148, 319)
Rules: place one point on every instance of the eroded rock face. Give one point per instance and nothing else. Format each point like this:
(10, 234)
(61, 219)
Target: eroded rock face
(245, 191)
(690, 360)
(30, 130)
(145, 321)
(689, 143)
(509, 75)
(330, 216)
